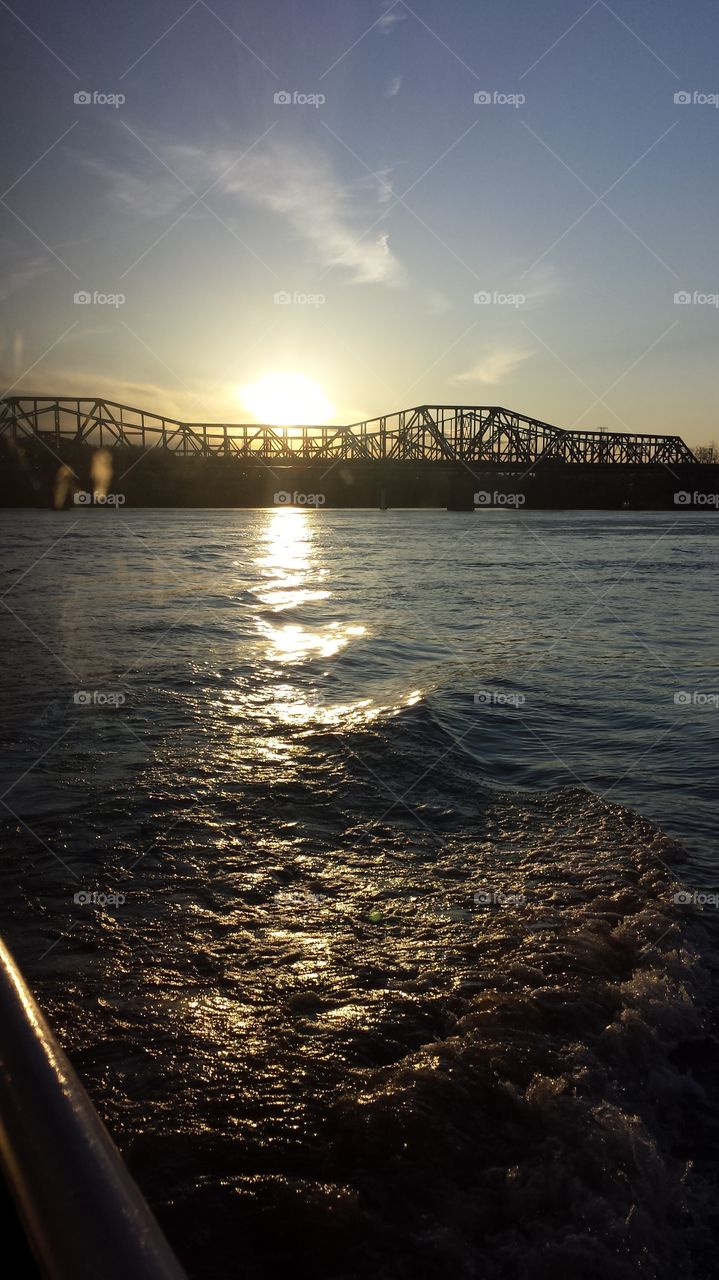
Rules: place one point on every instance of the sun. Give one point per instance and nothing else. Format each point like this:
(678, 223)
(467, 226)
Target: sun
(286, 399)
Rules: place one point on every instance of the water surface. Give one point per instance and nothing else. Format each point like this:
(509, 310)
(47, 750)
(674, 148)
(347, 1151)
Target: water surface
(365, 863)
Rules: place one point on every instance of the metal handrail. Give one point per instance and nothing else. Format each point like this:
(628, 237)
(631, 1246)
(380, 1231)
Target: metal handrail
(84, 1215)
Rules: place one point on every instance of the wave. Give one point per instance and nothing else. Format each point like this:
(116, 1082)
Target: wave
(359, 1004)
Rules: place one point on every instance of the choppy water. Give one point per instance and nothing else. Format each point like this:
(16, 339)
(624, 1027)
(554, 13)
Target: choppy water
(386, 816)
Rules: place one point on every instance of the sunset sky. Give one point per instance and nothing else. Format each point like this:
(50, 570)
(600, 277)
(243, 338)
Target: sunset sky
(380, 212)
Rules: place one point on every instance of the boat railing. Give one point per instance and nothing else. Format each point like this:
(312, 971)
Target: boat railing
(83, 1214)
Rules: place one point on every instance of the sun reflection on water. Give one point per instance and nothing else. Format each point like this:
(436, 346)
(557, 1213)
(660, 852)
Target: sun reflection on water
(287, 564)
(292, 576)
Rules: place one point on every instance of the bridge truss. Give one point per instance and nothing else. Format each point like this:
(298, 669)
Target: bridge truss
(428, 433)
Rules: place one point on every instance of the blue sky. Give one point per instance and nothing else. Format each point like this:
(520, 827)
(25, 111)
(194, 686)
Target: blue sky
(381, 212)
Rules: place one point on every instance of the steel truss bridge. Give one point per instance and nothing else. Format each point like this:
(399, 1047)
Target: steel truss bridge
(465, 434)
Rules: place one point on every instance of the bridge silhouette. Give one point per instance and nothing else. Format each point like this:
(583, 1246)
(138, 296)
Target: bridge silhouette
(468, 434)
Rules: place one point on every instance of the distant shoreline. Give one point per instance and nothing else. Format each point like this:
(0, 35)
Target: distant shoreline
(35, 475)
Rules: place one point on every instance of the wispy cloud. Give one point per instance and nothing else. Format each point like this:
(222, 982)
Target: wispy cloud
(394, 86)
(140, 185)
(391, 18)
(301, 186)
(379, 185)
(539, 285)
(495, 365)
(20, 269)
(296, 182)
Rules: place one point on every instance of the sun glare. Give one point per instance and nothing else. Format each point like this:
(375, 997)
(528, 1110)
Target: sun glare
(286, 399)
